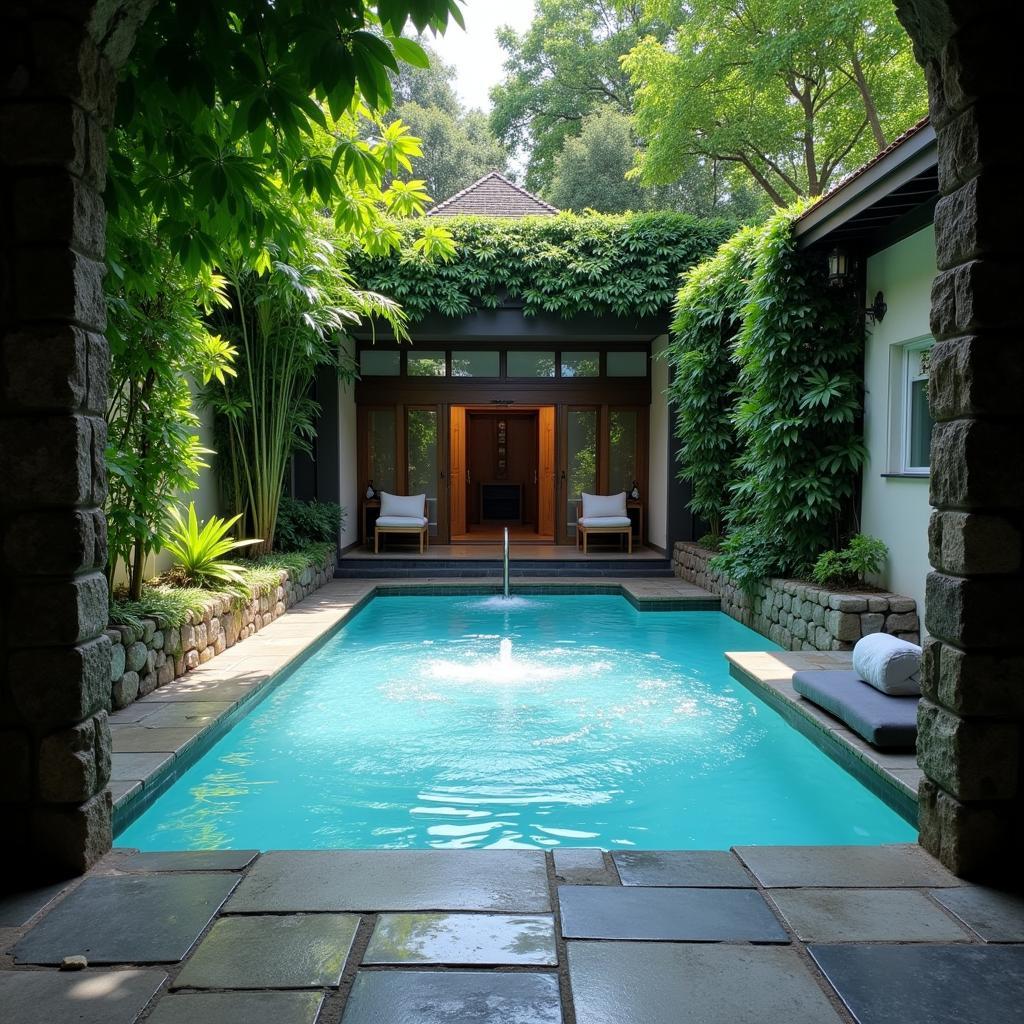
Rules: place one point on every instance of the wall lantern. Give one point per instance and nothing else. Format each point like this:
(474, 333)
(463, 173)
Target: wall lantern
(838, 267)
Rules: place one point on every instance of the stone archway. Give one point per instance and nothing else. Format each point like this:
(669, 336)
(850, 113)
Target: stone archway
(59, 67)
(60, 61)
(972, 805)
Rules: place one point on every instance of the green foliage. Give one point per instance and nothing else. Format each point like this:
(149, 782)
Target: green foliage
(620, 265)
(771, 443)
(228, 108)
(171, 605)
(301, 523)
(711, 541)
(457, 148)
(159, 345)
(286, 323)
(802, 93)
(199, 551)
(704, 388)
(864, 556)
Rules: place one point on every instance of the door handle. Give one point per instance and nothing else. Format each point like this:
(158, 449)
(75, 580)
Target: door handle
(467, 476)
(535, 477)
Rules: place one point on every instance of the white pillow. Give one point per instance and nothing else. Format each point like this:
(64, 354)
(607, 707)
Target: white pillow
(401, 504)
(597, 506)
(888, 664)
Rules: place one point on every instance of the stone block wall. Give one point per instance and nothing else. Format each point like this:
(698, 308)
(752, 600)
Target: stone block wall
(800, 616)
(149, 657)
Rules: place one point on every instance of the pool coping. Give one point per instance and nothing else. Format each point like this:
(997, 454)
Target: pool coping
(893, 778)
(252, 669)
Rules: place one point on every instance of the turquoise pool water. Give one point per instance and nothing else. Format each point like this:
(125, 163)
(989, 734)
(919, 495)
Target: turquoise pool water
(541, 722)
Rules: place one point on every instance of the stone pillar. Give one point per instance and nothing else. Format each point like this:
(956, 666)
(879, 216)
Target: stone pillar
(970, 742)
(57, 92)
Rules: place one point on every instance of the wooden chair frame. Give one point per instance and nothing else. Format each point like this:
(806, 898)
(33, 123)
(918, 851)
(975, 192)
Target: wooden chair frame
(423, 532)
(583, 532)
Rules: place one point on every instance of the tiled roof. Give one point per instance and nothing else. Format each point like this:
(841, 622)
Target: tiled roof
(864, 168)
(493, 196)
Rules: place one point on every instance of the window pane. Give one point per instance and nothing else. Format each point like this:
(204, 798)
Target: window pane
(421, 445)
(581, 364)
(474, 364)
(627, 364)
(920, 424)
(380, 440)
(426, 364)
(530, 364)
(622, 468)
(582, 458)
(378, 363)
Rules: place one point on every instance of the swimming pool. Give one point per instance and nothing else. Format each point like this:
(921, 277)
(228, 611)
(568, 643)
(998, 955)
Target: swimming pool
(462, 721)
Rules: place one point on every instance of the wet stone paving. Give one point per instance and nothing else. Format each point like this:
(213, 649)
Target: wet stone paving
(804, 935)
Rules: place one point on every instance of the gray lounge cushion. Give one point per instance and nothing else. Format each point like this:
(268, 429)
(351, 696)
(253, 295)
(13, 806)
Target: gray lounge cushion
(885, 722)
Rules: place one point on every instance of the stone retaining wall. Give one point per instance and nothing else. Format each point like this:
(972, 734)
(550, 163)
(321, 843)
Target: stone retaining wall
(800, 616)
(144, 659)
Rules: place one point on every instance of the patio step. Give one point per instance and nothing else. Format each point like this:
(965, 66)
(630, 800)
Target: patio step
(378, 568)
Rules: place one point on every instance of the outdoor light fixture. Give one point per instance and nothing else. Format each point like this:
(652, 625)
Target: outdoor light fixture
(838, 267)
(876, 311)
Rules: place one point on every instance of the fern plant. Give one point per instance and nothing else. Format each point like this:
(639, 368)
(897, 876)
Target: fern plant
(199, 551)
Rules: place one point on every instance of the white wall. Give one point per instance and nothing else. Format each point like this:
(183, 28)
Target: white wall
(658, 468)
(895, 508)
(348, 475)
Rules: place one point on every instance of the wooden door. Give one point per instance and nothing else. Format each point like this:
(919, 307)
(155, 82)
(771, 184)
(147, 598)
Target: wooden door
(458, 467)
(546, 471)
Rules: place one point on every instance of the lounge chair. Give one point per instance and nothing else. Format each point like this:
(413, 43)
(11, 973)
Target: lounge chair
(603, 514)
(402, 513)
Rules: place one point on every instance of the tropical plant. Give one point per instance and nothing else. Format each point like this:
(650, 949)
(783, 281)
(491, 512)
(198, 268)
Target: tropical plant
(790, 94)
(704, 388)
(301, 523)
(198, 552)
(286, 322)
(863, 556)
(618, 265)
(161, 348)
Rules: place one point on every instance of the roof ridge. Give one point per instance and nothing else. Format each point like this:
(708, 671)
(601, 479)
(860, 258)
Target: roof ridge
(491, 175)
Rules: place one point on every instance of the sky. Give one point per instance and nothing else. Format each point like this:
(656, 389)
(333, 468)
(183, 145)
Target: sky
(475, 53)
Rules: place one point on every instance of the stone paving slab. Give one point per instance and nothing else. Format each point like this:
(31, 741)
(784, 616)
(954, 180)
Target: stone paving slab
(582, 866)
(996, 916)
(120, 919)
(237, 1008)
(185, 713)
(866, 915)
(690, 868)
(452, 997)
(679, 915)
(844, 866)
(137, 739)
(17, 908)
(669, 983)
(285, 951)
(922, 984)
(513, 881)
(188, 860)
(136, 767)
(87, 997)
(463, 940)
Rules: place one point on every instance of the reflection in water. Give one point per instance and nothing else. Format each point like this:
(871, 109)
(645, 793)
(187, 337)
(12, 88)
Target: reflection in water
(444, 722)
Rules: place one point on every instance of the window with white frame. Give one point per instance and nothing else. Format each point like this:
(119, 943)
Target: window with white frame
(914, 420)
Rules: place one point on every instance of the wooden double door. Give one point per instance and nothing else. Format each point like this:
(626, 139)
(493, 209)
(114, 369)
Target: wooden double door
(550, 453)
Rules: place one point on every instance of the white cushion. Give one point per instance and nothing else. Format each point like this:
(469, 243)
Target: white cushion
(592, 521)
(401, 504)
(889, 664)
(412, 521)
(601, 505)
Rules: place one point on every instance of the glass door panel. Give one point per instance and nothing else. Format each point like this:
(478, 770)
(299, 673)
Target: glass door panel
(622, 450)
(421, 447)
(580, 461)
(380, 449)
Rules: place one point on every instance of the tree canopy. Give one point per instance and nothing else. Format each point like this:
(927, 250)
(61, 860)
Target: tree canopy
(792, 95)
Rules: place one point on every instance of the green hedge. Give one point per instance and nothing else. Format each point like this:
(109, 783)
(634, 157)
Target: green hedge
(777, 433)
(621, 264)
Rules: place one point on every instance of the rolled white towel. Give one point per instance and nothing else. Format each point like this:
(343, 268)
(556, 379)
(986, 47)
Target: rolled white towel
(888, 664)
